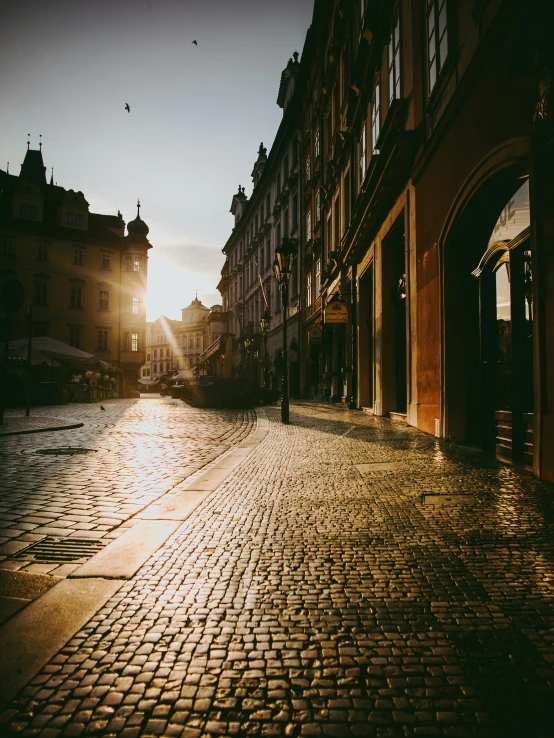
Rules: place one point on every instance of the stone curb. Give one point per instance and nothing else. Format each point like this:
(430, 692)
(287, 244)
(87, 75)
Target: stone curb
(32, 636)
(43, 430)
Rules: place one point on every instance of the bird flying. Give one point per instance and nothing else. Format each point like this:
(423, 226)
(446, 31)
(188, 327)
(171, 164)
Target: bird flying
(127, 108)
(195, 43)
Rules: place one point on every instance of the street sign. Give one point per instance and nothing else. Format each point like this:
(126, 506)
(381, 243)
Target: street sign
(12, 295)
(314, 334)
(336, 312)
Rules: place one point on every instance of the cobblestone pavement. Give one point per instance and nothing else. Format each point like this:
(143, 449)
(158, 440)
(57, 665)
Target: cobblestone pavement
(135, 451)
(314, 594)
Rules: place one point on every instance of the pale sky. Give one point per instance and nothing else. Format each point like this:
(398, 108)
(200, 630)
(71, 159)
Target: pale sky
(198, 114)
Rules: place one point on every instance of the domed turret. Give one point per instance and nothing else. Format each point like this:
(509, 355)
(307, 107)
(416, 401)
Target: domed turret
(138, 227)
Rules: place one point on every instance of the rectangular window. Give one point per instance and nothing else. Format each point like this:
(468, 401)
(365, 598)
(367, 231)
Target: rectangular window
(316, 144)
(317, 277)
(41, 293)
(268, 253)
(78, 256)
(126, 340)
(136, 265)
(79, 220)
(75, 336)
(6, 246)
(105, 261)
(437, 39)
(135, 306)
(102, 339)
(308, 290)
(336, 105)
(286, 223)
(294, 213)
(278, 184)
(70, 219)
(308, 168)
(155, 353)
(394, 60)
(363, 154)
(104, 300)
(346, 202)
(308, 226)
(261, 215)
(268, 204)
(43, 251)
(128, 263)
(286, 169)
(197, 341)
(376, 114)
(318, 206)
(76, 296)
(28, 211)
(336, 223)
(167, 352)
(261, 258)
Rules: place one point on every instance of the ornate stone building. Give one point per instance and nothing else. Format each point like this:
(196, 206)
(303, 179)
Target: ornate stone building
(85, 278)
(272, 213)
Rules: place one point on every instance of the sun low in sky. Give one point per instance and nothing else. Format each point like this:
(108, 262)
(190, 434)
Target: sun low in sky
(197, 114)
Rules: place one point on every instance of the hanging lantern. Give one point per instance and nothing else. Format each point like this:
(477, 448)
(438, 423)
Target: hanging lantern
(88, 375)
(106, 378)
(97, 376)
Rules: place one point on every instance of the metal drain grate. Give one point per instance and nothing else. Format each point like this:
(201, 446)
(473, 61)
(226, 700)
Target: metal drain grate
(65, 550)
(65, 451)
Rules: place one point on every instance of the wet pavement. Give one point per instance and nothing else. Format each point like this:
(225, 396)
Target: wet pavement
(86, 484)
(351, 577)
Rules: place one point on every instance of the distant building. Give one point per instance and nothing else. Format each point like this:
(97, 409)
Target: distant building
(273, 212)
(86, 279)
(175, 345)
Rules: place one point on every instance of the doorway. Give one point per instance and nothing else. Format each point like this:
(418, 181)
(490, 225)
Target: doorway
(394, 333)
(506, 334)
(365, 347)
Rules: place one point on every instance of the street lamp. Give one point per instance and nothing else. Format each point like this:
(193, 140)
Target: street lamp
(282, 267)
(265, 323)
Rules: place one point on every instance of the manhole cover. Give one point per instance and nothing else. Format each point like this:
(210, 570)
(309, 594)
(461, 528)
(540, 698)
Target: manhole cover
(64, 451)
(65, 550)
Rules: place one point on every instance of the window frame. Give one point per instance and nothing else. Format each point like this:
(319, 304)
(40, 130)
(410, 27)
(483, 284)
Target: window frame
(104, 300)
(76, 297)
(376, 113)
(105, 257)
(395, 59)
(433, 9)
(103, 339)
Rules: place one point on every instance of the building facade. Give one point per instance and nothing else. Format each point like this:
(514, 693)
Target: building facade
(175, 345)
(425, 248)
(272, 212)
(84, 277)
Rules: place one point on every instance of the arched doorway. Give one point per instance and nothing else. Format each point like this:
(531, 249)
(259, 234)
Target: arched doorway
(475, 283)
(506, 334)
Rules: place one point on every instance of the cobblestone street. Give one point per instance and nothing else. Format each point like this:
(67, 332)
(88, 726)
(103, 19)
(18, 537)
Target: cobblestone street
(134, 452)
(351, 577)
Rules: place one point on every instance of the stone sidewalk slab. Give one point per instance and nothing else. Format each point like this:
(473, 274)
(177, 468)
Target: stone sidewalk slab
(36, 633)
(122, 558)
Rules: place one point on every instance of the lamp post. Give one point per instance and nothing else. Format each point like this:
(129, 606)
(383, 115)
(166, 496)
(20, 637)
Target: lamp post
(282, 267)
(265, 322)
